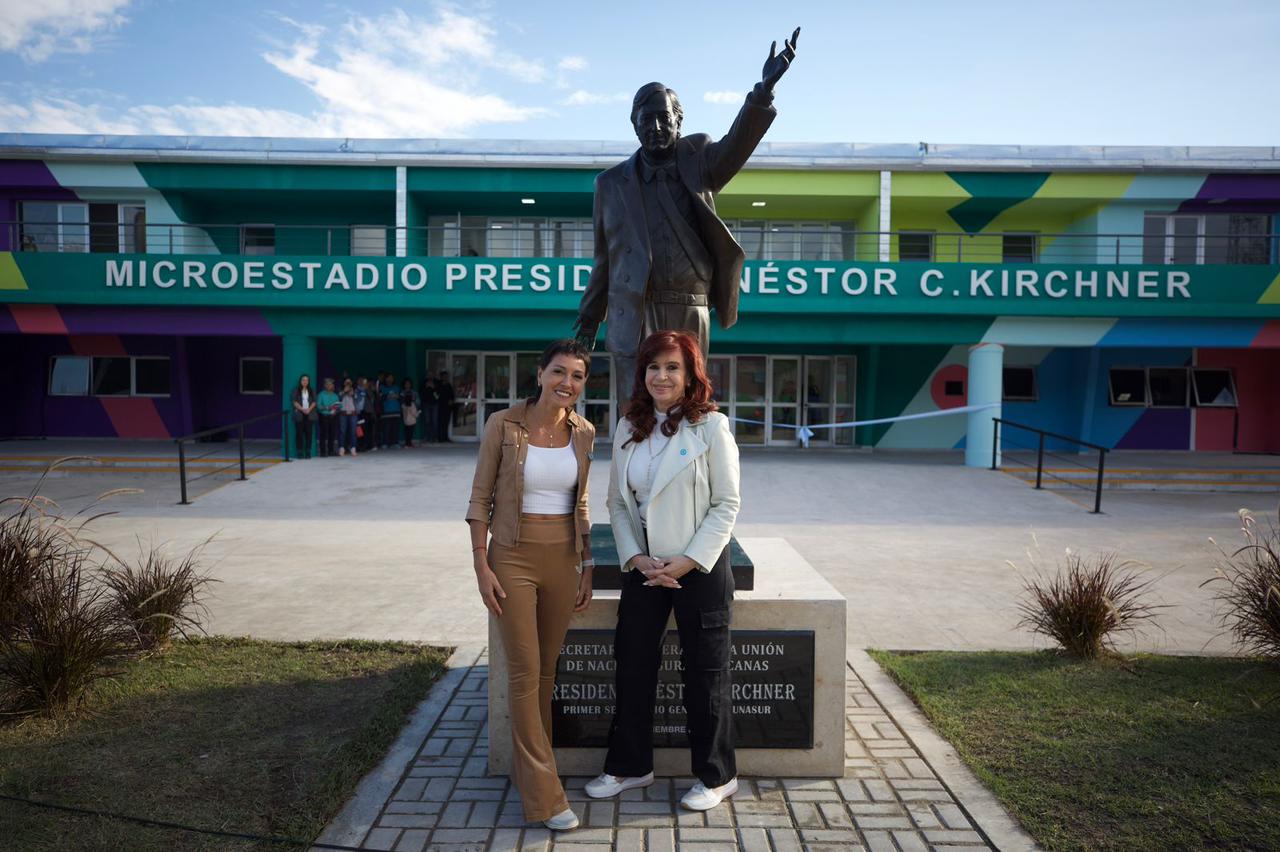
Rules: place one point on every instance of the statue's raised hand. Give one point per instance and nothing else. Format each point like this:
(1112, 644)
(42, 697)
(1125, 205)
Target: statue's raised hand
(777, 63)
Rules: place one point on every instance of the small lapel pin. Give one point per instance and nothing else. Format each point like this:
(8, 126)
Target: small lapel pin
(684, 452)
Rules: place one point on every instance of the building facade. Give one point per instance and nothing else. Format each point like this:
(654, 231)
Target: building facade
(154, 287)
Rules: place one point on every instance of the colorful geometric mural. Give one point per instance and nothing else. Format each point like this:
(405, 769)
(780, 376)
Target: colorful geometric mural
(921, 325)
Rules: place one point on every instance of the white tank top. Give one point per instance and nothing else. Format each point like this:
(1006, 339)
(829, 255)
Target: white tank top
(550, 480)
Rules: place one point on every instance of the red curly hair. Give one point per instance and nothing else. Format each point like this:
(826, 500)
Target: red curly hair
(693, 406)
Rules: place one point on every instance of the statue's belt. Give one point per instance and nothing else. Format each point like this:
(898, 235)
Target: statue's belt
(669, 297)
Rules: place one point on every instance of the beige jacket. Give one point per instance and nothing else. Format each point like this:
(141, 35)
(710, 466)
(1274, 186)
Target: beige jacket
(694, 501)
(497, 492)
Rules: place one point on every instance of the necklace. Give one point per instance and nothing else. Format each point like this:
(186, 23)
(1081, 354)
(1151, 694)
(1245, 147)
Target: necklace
(548, 433)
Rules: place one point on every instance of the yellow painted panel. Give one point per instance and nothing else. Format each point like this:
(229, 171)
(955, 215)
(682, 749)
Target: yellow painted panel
(1272, 294)
(10, 275)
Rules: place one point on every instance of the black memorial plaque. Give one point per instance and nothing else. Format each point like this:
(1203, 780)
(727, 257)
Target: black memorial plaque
(772, 690)
(608, 574)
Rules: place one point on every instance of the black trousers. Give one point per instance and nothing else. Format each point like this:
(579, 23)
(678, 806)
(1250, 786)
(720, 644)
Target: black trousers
(328, 435)
(702, 608)
(303, 431)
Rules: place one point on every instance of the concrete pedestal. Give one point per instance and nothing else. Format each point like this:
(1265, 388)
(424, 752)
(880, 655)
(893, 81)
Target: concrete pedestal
(789, 595)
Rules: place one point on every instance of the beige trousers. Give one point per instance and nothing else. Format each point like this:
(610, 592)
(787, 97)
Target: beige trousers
(540, 578)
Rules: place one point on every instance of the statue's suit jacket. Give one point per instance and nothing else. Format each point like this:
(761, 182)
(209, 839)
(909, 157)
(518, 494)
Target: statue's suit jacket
(622, 254)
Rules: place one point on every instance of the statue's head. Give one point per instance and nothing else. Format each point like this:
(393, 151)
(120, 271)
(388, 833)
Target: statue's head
(656, 117)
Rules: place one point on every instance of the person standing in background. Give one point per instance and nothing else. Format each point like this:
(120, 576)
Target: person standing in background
(348, 412)
(444, 407)
(327, 406)
(365, 405)
(390, 412)
(430, 415)
(408, 410)
(304, 416)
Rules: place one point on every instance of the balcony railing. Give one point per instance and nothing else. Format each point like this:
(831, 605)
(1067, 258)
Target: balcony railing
(822, 242)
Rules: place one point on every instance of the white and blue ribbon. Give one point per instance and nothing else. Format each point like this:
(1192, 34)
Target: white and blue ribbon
(805, 433)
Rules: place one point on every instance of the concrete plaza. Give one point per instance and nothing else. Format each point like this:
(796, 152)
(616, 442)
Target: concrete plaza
(375, 546)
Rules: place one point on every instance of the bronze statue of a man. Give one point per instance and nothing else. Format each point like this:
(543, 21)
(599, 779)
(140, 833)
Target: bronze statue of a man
(663, 258)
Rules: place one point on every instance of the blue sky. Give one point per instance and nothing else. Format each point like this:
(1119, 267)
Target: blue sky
(1124, 72)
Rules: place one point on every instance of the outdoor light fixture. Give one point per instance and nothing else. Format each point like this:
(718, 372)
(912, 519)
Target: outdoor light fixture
(757, 204)
(527, 201)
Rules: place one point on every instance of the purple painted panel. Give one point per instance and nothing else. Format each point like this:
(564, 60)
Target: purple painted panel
(24, 180)
(1159, 429)
(206, 397)
(1236, 193)
(29, 174)
(239, 322)
(215, 383)
(8, 325)
(24, 367)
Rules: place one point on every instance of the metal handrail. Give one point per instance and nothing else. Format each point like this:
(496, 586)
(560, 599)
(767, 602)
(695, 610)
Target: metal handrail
(1042, 434)
(530, 237)
(239, 427)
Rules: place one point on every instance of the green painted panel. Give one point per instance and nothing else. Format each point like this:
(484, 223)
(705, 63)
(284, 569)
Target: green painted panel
(900, 371)
(527, 181)
(992, 193)
(185, 177)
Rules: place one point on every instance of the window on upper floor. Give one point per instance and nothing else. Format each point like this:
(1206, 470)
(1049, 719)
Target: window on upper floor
(258, 239)
(76, 226)
(1207, 238)
(783, 240)
(915, 245)
(1020, 248)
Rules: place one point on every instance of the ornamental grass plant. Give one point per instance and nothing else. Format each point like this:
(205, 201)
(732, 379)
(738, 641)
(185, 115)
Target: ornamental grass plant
(1248, 590)
(160, 595)
(1086, 603)
(61, 626)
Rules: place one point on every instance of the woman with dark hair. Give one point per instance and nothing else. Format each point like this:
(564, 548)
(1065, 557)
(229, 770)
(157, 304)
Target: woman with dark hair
(304, 415)
(673, 500)
(530, 494)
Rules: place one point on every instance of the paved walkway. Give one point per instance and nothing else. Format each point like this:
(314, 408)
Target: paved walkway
(903, 789)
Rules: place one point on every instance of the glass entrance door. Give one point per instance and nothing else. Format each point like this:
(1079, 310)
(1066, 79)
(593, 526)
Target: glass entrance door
(784, 399)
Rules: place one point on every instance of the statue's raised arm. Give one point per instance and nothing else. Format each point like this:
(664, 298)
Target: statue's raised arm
(664, 260)
(778, 63)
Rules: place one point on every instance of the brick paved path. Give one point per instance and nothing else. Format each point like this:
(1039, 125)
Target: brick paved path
(889, 799)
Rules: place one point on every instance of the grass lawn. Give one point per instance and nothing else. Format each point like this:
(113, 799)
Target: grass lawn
(239, 735)
(1157, 753)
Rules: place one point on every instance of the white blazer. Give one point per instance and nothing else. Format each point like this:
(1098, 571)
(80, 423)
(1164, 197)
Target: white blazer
(694, 501)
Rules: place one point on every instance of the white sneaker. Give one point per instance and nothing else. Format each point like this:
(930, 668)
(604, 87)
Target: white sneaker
(703, 798)
(607, 786)
(342, 451)
(566, 820)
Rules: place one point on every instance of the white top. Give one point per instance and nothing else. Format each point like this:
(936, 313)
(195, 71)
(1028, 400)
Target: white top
(306, 398)
(550, 480)
(644, 463)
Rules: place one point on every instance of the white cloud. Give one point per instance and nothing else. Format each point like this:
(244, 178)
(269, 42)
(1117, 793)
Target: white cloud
(389, 76)
(572, 63)
(723, 97)
(36, 29)
(584, 98)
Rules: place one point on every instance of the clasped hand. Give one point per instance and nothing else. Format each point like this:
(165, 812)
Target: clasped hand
(665, 573)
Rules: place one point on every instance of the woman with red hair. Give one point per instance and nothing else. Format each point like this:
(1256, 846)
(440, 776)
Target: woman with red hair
(673, 499)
